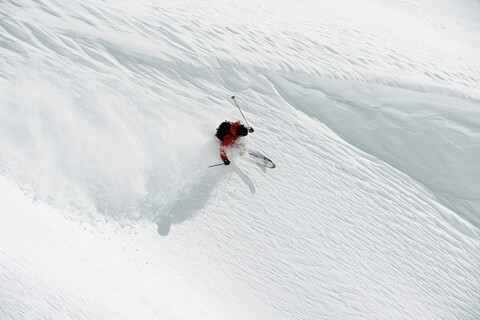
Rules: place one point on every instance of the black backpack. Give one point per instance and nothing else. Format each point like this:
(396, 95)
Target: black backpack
(223, 129)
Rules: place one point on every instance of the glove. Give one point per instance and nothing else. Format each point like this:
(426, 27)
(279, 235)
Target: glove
(227, 162)
(250, 130)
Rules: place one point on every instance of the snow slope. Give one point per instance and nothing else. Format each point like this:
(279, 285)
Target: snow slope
(370, 112)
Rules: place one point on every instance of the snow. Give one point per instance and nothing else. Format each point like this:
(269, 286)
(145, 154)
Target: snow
(369, 110)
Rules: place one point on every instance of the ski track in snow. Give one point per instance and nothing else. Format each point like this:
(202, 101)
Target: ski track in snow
(371, 213)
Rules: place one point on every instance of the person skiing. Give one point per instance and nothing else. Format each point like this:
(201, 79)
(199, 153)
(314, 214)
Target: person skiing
(228, 132)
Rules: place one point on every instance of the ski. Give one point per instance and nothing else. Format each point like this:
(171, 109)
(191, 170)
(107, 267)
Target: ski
(259, 159)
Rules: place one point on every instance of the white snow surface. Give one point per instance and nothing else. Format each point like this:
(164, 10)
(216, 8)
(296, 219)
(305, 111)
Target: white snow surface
(370, 110)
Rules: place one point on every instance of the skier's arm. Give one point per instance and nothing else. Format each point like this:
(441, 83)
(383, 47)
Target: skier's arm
(236, 124)
(228, 140)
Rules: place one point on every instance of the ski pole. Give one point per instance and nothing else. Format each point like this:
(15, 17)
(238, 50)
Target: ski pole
(233, 97)
(214, 165)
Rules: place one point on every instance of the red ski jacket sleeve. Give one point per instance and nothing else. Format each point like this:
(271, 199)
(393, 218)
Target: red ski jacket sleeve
(228, 139)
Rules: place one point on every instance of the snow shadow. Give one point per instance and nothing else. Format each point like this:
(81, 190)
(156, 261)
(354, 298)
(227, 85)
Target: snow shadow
(196, 196)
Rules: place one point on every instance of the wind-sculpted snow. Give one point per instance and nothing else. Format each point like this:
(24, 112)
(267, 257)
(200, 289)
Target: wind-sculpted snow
(370, 112)
(434, 138)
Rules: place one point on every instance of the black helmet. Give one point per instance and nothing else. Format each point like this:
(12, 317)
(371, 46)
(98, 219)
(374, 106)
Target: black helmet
(241, 130)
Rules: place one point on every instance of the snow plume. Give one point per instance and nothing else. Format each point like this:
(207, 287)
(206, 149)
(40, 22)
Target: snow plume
(105, 145)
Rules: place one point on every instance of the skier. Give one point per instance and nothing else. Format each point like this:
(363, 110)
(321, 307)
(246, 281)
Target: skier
(228, 132)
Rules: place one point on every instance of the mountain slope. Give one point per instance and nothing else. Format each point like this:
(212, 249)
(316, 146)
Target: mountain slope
(108, 208)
